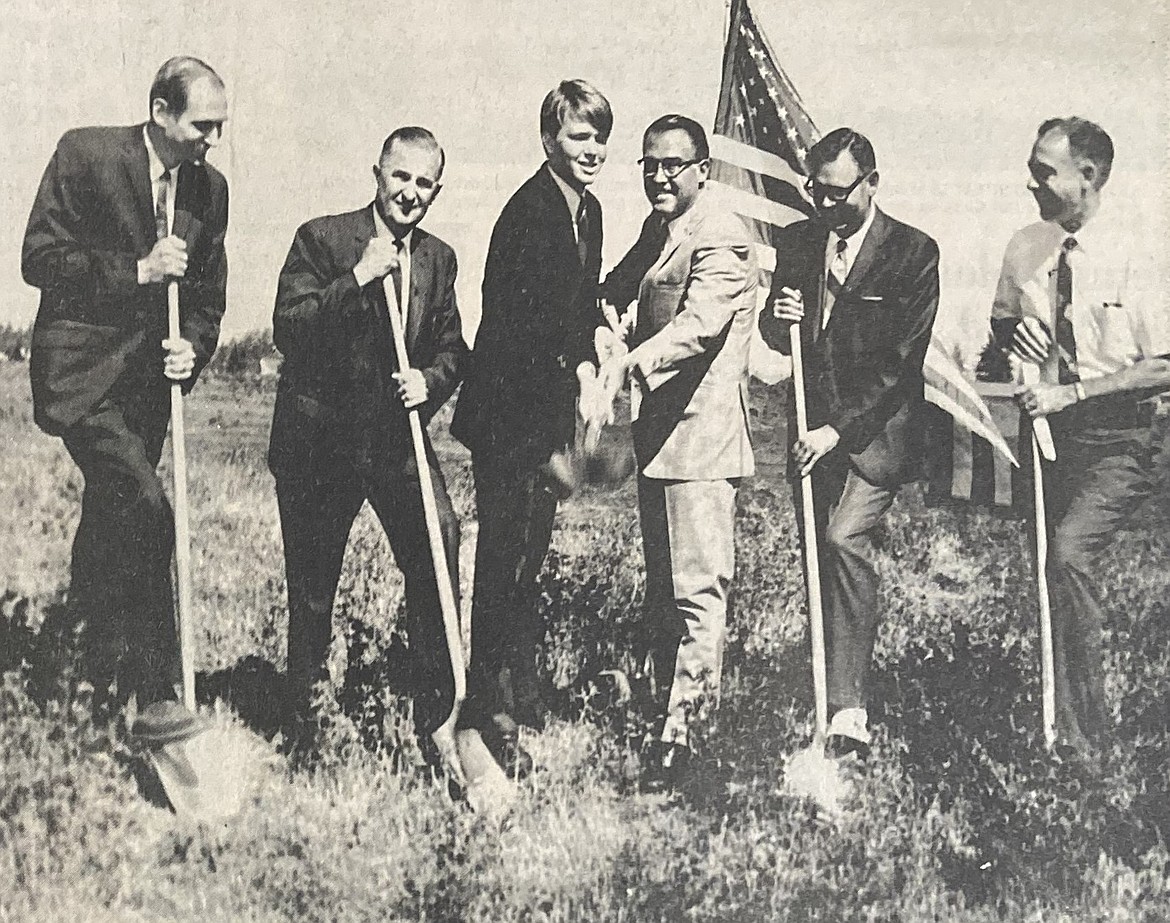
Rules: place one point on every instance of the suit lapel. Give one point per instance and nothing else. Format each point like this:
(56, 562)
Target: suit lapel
(362, 233)
(420, 272)
(190, 202)
(137, 167)
(869, 250)
(676, 236)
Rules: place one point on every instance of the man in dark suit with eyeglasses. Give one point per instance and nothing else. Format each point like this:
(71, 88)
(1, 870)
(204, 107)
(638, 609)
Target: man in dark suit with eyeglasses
(864, 289)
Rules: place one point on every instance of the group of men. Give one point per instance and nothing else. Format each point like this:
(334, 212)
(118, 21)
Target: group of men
(121, 212)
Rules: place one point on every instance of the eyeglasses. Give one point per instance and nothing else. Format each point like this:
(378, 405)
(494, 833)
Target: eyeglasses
(670, 166)
(836, 194)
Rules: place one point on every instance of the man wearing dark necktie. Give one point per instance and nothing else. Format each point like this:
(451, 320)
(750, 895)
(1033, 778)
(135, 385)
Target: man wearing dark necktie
(517, 410)
(1073, 296)
(340, 429)
(864, 289)
(120, 213)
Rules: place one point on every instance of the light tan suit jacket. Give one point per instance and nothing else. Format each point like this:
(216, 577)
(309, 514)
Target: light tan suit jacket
(689, 360)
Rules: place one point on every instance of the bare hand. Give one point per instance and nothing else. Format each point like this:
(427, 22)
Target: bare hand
(179, 362)
(167, 260)
(1039, 400)
(378, 259)
(607, 344)
(1032, 341)
(789, 305)
(412, 387)
(814, 446)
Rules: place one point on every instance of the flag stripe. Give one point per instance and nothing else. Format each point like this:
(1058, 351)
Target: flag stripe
(968, 417)
(752, 206)
(962, 464)
(746, 157)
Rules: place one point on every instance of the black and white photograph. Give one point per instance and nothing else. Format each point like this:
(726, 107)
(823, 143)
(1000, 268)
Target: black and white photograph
(486, 461)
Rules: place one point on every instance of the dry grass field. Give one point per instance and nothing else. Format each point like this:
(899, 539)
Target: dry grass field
(959, 816)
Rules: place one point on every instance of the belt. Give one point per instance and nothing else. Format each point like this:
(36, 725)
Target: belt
(1109, 414)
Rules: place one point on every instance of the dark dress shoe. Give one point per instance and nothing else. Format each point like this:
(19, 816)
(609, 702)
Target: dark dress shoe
(840, 746)
(502, 738)
(666, 769)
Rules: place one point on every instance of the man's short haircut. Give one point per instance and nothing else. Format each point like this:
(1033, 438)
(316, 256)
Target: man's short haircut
(413, 134)
(835, 143)
(1087, 140)
(675, 122)
(173, 81)
(580, 100)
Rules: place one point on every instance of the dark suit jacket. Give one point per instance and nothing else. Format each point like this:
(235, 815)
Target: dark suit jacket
(863, 373)
(93, 219)
(336, 398)
(539, 314)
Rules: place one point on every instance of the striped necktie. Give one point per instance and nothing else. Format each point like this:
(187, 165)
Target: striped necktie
(161, 223)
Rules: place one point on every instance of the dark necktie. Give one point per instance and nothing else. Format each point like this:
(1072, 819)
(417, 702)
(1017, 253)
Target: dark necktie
(396, 276)
(1066, 342)
(583, 231)
(160, 205)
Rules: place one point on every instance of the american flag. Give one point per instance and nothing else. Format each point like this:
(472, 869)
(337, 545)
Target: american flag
(761, 138)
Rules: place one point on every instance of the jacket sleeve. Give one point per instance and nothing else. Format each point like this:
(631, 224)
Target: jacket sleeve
(899, 376)
(773, 330)
(449, 364)
(719, 276)
(623, 281)
(203, 293)
(55, 254)
(316, 300)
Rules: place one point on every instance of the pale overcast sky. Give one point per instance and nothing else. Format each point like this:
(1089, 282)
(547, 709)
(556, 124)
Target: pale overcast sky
(950, 92)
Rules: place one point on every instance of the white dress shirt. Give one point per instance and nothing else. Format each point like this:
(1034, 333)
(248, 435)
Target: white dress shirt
(852, 248)
(1117, 316)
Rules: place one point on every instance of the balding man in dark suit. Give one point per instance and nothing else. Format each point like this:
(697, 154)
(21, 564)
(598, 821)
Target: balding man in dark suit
(120, 213)
(340, 429)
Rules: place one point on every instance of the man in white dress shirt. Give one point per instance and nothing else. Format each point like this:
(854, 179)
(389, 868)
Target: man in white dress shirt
(1073, 297)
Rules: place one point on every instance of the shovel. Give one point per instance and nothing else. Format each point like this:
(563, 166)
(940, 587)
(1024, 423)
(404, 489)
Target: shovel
(809, 773)
(489, 790)
(205, 769)
(1043, 448)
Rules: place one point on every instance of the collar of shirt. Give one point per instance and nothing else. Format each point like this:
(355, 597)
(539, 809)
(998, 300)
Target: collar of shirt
(854, 241)
(381, 230)
(572, 197)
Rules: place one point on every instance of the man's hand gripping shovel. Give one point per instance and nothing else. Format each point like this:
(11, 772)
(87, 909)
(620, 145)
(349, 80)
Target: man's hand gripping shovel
(810, 773)
(205, 767)
(466, 757)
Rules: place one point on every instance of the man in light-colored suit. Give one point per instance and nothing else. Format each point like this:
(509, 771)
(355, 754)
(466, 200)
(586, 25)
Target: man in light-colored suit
(694, 275)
